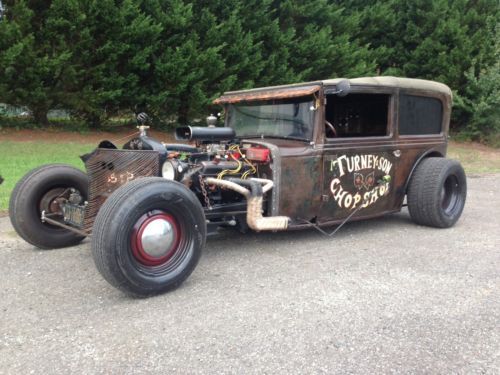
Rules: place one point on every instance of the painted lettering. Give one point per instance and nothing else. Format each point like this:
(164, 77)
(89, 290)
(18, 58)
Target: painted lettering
(356, 163)
(364, 161)
(355, 180)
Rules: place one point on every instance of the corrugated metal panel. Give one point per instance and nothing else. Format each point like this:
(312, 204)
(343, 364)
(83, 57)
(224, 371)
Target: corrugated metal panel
(283, 93)
(109, 169)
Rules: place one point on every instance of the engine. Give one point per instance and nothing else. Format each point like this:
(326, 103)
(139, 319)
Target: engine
(217, 155)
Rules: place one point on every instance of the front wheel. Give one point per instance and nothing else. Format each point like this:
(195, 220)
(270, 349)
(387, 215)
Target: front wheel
(148, 236)
(437, 192)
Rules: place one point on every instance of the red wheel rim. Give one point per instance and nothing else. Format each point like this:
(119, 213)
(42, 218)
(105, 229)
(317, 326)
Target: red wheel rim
(155, 238)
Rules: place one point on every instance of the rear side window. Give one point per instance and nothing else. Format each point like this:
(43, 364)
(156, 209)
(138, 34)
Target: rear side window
(357, 115)
(419, 115)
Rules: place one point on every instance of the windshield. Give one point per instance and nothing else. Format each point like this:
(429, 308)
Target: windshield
(283, 118)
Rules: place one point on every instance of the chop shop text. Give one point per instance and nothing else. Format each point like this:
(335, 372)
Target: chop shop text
(355, 184)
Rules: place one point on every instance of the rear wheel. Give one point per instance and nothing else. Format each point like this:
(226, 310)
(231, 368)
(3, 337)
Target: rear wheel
(46, 188)
(148, 236)
(437, 192)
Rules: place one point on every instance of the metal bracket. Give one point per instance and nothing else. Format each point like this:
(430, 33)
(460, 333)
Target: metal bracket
(47, 220)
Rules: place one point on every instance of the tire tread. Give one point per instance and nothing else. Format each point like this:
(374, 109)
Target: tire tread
(104, 266)
(424, 191)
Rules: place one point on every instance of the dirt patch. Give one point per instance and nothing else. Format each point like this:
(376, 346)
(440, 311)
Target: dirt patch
(475, 157)
(474, 146)
(50, 135)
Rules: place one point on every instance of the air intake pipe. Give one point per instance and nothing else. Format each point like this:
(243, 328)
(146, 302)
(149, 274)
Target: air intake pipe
(254, 197)
(204, 134)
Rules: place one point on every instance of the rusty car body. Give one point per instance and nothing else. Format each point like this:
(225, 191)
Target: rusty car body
(289, 157)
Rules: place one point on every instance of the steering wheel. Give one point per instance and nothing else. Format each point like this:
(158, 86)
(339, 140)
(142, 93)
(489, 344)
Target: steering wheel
(332, 128)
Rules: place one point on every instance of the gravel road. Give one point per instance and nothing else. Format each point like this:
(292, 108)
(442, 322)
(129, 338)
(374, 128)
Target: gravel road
(383, 296)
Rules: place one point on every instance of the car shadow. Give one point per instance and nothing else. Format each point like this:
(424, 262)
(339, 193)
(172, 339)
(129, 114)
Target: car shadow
(354, 228)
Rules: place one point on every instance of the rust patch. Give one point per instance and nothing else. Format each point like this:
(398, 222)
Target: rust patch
(300, 190)
(109, 169)
(267, 94)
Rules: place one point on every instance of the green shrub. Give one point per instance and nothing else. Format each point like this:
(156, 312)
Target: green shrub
(480, 104)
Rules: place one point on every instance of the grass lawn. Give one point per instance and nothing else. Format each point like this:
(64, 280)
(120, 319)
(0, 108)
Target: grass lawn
(17, 158)
(475, 158)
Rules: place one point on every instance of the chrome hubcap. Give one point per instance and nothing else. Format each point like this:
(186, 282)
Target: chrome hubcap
(157, 238)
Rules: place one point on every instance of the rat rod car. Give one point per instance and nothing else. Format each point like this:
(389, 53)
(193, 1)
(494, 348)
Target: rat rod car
(289, 157)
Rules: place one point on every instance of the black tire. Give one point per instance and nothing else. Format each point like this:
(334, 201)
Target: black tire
(436, 192)
(120, 219)
(24, 205)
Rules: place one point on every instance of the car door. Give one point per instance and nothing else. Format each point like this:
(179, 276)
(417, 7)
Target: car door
(360, 155)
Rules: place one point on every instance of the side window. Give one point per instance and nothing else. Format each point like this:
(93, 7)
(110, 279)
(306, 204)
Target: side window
(419, 115)
(356, 115)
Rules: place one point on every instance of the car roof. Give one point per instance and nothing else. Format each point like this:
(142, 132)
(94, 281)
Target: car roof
(379, 81)
(388, 81)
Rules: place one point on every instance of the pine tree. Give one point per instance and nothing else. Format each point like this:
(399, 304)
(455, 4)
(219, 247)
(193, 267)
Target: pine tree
(113, 58)
(480, 101)
(33, 61)
(261, 19)
(90, 57)
(217, 54)
(322, 45)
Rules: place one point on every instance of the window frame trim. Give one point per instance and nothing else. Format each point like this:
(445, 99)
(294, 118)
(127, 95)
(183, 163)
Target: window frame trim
(425, 94)
(391, 114)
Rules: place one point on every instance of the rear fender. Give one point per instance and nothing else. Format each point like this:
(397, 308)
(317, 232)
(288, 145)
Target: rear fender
(426, 154)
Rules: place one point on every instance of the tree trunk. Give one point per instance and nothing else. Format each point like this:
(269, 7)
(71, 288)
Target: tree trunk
(182, 114)
(40, 116)
(94, 121)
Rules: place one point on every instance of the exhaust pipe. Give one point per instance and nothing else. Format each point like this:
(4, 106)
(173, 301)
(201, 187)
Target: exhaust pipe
(254, 197)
